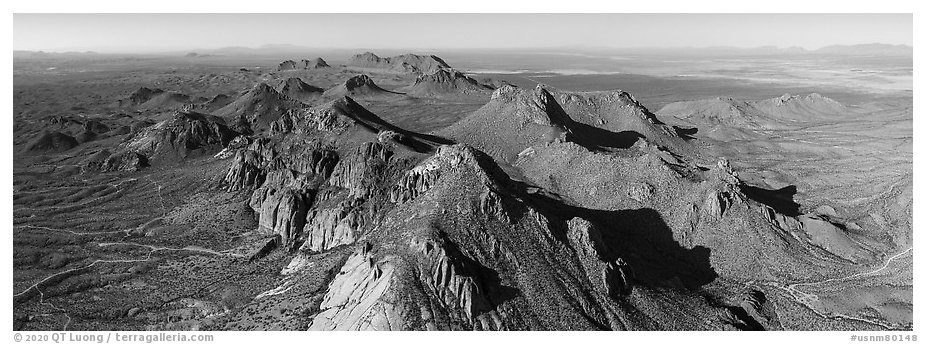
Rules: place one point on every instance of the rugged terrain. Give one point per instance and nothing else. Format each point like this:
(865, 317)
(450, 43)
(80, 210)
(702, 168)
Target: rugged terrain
(400, 193)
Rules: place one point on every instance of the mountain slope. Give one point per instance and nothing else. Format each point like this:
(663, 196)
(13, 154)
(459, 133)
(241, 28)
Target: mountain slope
(257, 108)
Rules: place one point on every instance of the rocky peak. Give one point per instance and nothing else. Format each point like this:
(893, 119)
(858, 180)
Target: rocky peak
(317, 62)
(724, 192)
(358, 81)
(443, 76)
(287, 65)
(179, 136)
(448, 159)
(536, 106)
(257, 108)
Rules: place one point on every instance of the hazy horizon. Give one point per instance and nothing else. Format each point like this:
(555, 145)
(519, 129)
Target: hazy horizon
(154, 33)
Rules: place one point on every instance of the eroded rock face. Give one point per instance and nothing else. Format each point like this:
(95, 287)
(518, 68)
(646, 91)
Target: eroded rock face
(357, 297)
(331, 227)
(287, 186)
(281, 212)
(453, 279)
(313, 162)
(614, 275)
(360, 171)
(420, 178)
(246, 170)
(249, 166)
(416, 181)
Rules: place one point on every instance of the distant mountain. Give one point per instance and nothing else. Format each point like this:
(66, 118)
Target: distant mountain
(867, 49)
(297, 89)
(445, 82)
(408, 63)
(359, 86)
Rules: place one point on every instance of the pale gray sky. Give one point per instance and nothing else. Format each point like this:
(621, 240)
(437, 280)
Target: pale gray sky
(167, 32)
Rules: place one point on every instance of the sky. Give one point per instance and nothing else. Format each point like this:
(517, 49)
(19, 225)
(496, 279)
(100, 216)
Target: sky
(126, 33)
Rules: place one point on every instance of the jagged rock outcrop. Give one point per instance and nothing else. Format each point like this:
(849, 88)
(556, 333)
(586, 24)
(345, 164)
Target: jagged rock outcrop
(246, 170)
(331, 227)
(418, 180)
(249, 166)
(288, 187)
(448, 158)
(361, 171)
(408, 63)
(454, 280)
(281, 212)
(726, 193)
(239, 142)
